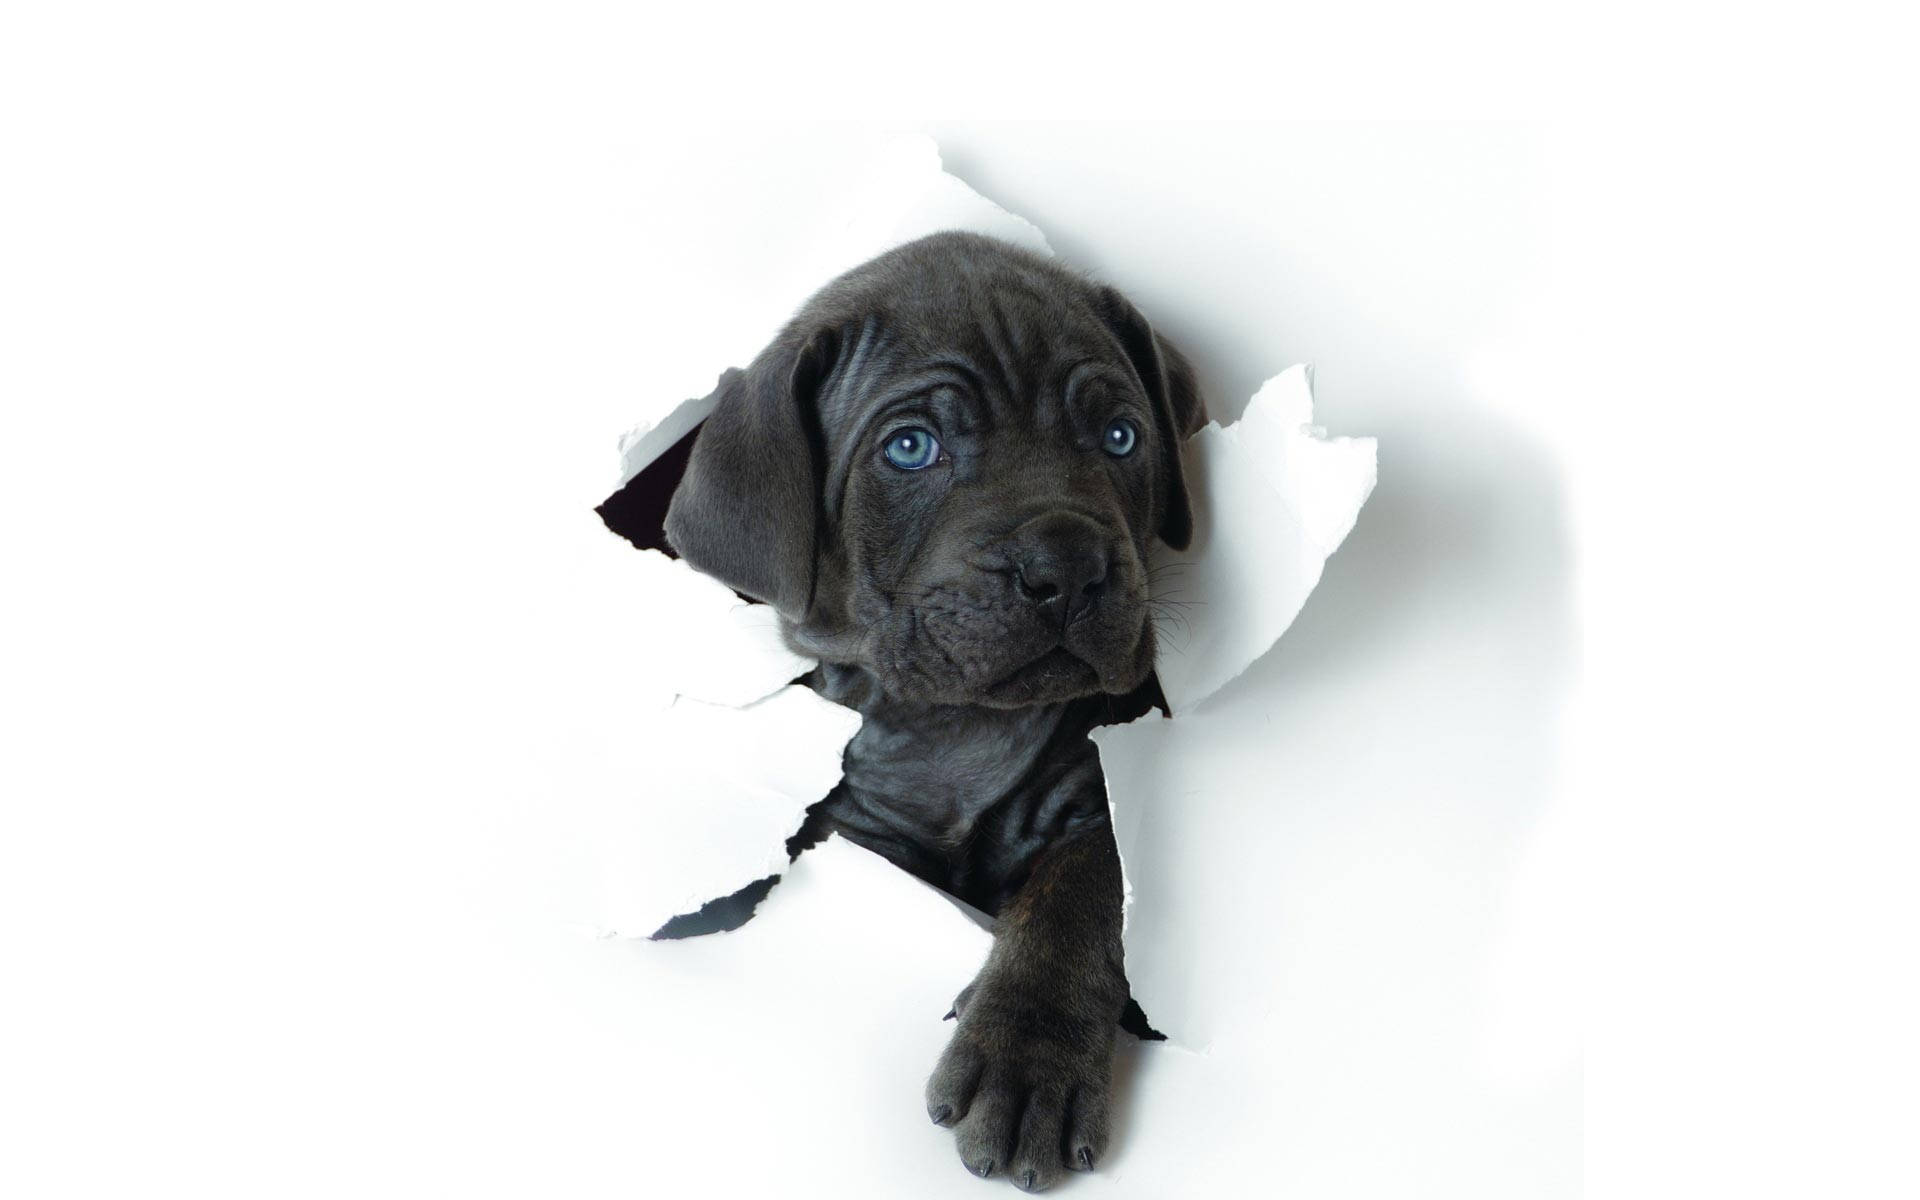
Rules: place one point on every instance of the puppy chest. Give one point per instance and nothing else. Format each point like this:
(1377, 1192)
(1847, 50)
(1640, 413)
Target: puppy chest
(969, 805)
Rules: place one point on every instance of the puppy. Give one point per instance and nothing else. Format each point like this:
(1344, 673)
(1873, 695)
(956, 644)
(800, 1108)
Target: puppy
(944, 474)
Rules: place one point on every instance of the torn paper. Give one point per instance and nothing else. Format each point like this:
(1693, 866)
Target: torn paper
(717, 790)
(721, 777)
(1272, 499)
(721, 649)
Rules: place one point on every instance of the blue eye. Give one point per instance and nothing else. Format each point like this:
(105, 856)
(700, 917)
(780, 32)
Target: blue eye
(912, 449)
(1119, 438)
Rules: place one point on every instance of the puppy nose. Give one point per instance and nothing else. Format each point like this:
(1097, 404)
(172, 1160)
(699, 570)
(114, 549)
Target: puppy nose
(1060, 564)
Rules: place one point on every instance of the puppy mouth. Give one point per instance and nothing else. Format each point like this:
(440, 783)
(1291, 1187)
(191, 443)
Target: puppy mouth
(1057, 672)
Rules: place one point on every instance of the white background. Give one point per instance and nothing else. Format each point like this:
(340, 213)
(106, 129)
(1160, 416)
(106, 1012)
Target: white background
(317, 329)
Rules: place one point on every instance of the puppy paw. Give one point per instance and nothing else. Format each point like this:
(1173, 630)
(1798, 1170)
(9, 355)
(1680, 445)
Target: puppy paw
(1025, 1085)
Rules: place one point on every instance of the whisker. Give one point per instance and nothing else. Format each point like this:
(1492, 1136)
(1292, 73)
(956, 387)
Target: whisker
(1166, 643)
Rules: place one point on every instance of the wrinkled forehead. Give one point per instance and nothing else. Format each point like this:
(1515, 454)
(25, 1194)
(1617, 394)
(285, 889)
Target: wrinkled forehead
(999, 358)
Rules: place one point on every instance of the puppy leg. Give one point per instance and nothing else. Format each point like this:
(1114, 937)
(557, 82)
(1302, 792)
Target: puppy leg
(1026, 1081)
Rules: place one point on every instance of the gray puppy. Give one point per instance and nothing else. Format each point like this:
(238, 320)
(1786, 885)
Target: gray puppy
(944, 474)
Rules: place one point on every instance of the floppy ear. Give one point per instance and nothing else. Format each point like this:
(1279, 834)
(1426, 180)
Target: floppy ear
(1178, 411)
(746, 509)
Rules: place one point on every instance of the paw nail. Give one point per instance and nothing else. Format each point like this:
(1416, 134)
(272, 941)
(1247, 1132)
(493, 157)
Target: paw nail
(1086, 1158)
(986, 1169)
(1027, 1183)
(950, 1015)
(941, 1114)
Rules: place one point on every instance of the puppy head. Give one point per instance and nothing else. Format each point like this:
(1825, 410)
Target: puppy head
(946, 469)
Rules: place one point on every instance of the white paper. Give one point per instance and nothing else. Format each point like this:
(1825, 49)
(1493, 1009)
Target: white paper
(703, 641)
(715, 791)
(1272, 498)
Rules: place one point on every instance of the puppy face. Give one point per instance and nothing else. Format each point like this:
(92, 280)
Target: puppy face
(989, 500)
(947, 471)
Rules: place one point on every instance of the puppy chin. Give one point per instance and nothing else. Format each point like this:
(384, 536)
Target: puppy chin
(1057, 675)
(1068, 672)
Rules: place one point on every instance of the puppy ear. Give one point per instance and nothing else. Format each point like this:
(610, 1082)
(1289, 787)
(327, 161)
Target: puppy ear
(1178, 411)
(745, 512)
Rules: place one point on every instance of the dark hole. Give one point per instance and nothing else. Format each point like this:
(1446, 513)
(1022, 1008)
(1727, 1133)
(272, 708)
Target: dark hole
(638, 511)
(719, 915)
(1134, 1021)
